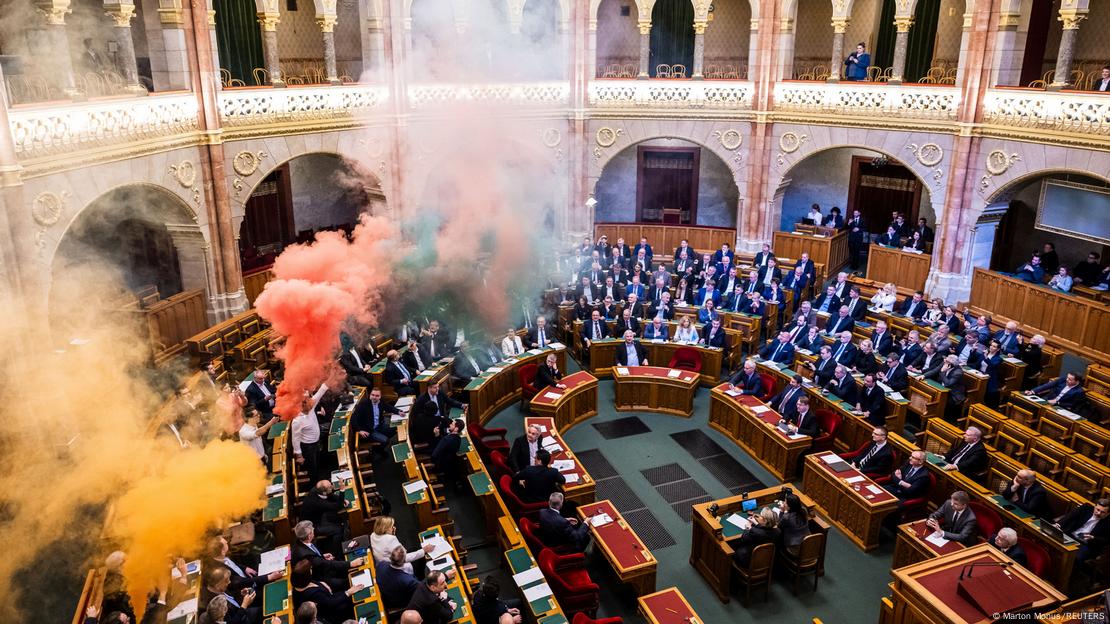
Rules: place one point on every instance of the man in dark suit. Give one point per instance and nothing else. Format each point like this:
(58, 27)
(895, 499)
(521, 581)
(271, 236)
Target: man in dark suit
(1006, 540)
(796, 281)
(780, 351)
(882, 339)
(842, 385)
(955, 520)
(969, 351)
(786, 402)
(876, 458)
(1091, 526)
(548, 373)
(951, 376)
(1102, 83)
(840, 322)
(436, 403)
(747, 380)
(645, 247)
(827, 302)
(714, 335)
(321, 506)
(523, 452)
(445, 455)
(627, 322)
(664, 309)
(261, 394)
(909, 348)
(370, 417)
(684, 248)
(762, 257)
(1064, 391)
(357, 362)
(395, 583)
(911, 480)
(915, 306)
(431, 599)
(871, 401)
(857, 237)
(559, 531)
(895, 374)
(594, 329)
(436, 341)
(1028, 494)
(857, 308)
(804, 421)
(968, 456)
(467, 363)
(631, 353)
(843, 351)
(824, 366)
(241, 576)
(325, 567)
(240, 606)
(928, 362)
(540, 336)
(536, 482)
(416, 357)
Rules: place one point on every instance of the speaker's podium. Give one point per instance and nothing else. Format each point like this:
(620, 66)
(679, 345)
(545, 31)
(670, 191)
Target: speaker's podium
(967, 587)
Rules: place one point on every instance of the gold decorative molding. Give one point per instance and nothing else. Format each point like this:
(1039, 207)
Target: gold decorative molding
(607, 136)
(786, 25)
(645, 28)
(121, 14)
(903, 24)
(699, 28)
(840, 25)
(212, 18)
(48, 207)
(53, 11)
(755, 25)
(269, 21)
(1072, 17)
(246, 163)
(326, 22)
(928, 154)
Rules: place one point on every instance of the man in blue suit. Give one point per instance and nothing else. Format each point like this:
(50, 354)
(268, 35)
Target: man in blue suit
(556, 531)
(780, 351)
(786, 402)
(1064, 391)
(911, 480)
(855, 66)
(747, 380)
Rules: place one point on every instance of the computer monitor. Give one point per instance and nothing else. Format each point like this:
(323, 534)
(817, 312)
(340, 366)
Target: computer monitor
(748, 505)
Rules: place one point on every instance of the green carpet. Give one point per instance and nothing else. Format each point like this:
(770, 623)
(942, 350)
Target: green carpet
(849, 592)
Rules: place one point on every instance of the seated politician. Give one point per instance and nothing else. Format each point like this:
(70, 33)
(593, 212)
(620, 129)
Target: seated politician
(747, 380)
(631, 353)
(557, 530)
(780, 351)
(548, 373)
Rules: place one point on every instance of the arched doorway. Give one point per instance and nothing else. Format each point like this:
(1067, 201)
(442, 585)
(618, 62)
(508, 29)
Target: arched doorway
(935, 39)
(666, 181)
(672, 36)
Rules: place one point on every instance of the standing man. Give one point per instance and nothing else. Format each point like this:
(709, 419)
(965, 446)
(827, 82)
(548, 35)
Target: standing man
(306, 434)
(855, 66)
(857, 237)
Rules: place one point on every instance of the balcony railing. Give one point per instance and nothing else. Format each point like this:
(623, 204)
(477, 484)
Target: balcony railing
(553, 94)
(45, 130)
(252, 107)
(1067, 111)
(866, 99)
(666, 94)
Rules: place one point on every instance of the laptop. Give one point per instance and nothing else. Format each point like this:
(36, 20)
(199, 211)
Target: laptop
(748, 505)
(1055, 532)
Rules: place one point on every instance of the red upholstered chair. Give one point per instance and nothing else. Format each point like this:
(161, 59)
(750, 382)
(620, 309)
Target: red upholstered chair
(1036, 554)
(500, 465)
(768, 387)
(582, 618)
(569, 580)
(829, 422)
(987, 520)
(487, 440)
(686, 359)
(516, 506)
(915, 508)
(877, 477)
(527, 375)
(530, 531)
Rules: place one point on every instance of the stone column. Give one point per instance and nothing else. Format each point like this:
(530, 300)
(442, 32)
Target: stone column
(1068, 39)
(753, 51)
(785, 44)
(269, 21)
(645, 50)
(964, 37)
(591, 49)
(699, 51)
(901, 42)
(121, 14)
(327, 27)
(12, 208)
(840, 25)
(1011, 48)
(54, 13)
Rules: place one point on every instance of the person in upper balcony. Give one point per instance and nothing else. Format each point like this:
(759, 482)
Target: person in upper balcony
(855, 66)
(1103, 82)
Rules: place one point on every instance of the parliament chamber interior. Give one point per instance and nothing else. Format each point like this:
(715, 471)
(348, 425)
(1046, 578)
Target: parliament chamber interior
(555, 311)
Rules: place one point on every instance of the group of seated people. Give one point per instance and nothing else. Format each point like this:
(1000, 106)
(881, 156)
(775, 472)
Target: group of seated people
(1043, 267)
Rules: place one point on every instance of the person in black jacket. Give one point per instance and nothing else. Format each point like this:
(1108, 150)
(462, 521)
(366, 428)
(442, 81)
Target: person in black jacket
(332, 604)
(786, 402)
(261, 394)
(431, 599)
(489, 608)
(804, 421)
(968, 456)
(794, 522)
(1027, 494)
(240, 608)
(876, 458)
(747, 380)
(325, 567)
(764, 530)
(558, 529)
(321, 507)
(399, 375)
(548, 373)
(524, 449)
(911, 480)
(895, 374)
(1090, 525)
(842, 385)
(1006, 540)
(242, 577)
(871, 401)
(536, 482)
(445, 455)
(370, 417)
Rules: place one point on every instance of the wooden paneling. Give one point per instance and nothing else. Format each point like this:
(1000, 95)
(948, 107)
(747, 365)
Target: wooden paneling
(1074, 323)
(909, 270)
(664, 239)
(829, 251)
(255, 282)
(172, 320)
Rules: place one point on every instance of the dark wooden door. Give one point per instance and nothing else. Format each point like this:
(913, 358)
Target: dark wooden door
(878, 188)
(667, 184)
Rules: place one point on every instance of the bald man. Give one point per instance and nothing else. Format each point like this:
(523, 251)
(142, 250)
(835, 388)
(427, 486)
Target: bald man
(1027, 493)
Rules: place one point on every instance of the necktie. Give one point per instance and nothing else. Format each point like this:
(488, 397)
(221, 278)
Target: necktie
(404, 372)
(543, 339)
(233, 601)
(776, 353)
(314, 549)
(419, 362)
(786, 399)
(432, 347)
(959, 456)
(473, 364)
(955, 519)
(597, 330)
(239, 571)
(869, 455)
(912, 471)
(839, 351)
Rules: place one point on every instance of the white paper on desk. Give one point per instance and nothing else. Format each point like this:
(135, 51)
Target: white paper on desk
(563, 465)
(733, 393)
(937, 539)
(1068, 413)
(557, 345)
(273, 560)
(601, 520)
(571, 477)
(805, 351)
(531, 575)
(403, 402)
(759, 409)
(494, 369)
(536, 592)
(622, 370)
(363, 578)
(674, 373)
(397, 419)
(855, 479)
(1035, 398)
(440, 546)
(416, 486)
(551, 445)
(795, 436)
(1012, 360)
(829, 458)
(897, 396)
(554, 396)
(187, 607)
(874, 490)
(535, 351)
(277, 488)
(887, 389)
(442, 563)
(740, 521)
(657, 340)
(342, 475)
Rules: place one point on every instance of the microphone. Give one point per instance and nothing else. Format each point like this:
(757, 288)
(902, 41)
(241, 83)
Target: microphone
(970, 568)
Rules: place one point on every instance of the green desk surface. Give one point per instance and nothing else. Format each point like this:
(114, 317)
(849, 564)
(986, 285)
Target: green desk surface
(728, 529)
(456, 412)
(558, 618)
(275, 597)
(349, 496)
(275, 506)
(541, 605)
(936, 385)
(337, 424)
(336, 441)
(480, 483)
(934, 459)
(455, 593)
(519, 560)
(277, 429)
(418, 496)
(464, 446)
(1011, 507)
(277, 479)
(429, 534)
(363, 595)
(401, 452)
(368, 610)
(477, 382)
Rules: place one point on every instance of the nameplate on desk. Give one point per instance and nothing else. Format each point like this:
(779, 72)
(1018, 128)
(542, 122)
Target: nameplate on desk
(1034, 398)
(494, 369)
(897, 396)
(674, 373)
(571, 478)
(1012, 360)
(1068, 414)
(887, 389)
(622, 370)
(759, 409)
(855, 479)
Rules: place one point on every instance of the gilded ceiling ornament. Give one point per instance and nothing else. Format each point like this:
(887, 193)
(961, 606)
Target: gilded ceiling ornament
(185, 173)
(998, 162)
(246, 163)
(48, 207)
(607, 136)
(928, 154)
(729, 139)
(791, 141)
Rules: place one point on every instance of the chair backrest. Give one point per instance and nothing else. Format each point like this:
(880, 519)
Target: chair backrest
(1036, 554)
(763, 559)
(548, 561)
(527, 374)
(685, 356)
(809, 552)
(829, 421)
(987, 520)
(528, 530)
(662, 71)
(768, 386)
(500, 465)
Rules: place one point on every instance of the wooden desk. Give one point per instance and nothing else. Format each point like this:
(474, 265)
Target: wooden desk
(438, 372)
(624, 550)
(569, 406)
(603, 356)
(911, 547)
(829, 251)
(668, 607)
(581, 492)
(756, 433)
(458, 588)
(493, 390)
(859, 513)
(926, 593)
(367, 602)
(903, 268)
(711, 551)
(519, 559)
(655, 389)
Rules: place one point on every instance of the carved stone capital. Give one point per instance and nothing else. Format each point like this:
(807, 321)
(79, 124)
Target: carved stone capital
(171, 13)
(1072, 17)
(120, 14)
(1006, 21)
(326, 22)
(786, 25)
(645, 28)
(699, 28)
(53, 11)
(903, 24)
(755, 25)
(840, 25)
(269, 21)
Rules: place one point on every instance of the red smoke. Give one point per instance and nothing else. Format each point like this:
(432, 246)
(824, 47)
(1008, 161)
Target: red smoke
(316, 289)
